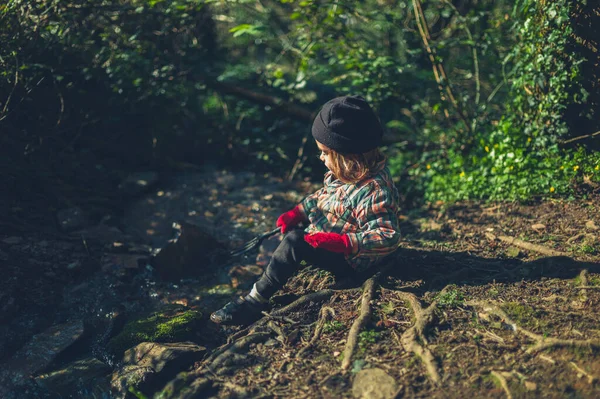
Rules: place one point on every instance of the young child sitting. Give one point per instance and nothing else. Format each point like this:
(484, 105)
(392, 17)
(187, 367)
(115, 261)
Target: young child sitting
(352, 220)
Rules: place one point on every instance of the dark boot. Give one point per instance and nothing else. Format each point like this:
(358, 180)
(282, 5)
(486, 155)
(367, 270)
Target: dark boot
(241, 311)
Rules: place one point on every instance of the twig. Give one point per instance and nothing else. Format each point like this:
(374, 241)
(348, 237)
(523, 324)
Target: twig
(359, 323)
(502, 382)
(300, 158)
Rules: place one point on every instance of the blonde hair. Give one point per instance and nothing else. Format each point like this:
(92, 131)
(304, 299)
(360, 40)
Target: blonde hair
(352, 168)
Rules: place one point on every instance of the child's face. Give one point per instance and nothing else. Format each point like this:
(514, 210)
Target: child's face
(325, 156)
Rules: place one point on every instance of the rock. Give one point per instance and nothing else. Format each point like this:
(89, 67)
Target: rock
(150, 364)
(43, 348)
(193, 252)
(530, 386)
(171, 324)
(132, 376)
(138, 183)
(374, 384)
(186, 385)
(86, 375)
(71, 219)
(12, 240)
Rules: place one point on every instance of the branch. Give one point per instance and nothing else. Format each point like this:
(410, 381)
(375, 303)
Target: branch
(580, 137)
(300, 113)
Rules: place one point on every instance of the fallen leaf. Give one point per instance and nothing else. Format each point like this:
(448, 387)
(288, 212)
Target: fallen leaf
(538, 226)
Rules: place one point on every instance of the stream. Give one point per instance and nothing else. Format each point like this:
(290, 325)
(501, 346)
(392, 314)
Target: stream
(69, 298)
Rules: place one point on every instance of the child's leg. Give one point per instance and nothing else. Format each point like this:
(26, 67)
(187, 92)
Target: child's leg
(287, 260)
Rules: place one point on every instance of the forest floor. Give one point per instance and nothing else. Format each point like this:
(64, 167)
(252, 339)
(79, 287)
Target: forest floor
(484, 300)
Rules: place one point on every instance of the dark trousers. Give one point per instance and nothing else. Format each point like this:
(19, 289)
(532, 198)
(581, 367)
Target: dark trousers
(288, 257)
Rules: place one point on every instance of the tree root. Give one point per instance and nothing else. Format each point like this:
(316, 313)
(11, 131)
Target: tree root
(411, 337)
(584, 283)
(220, 356)
(581, 371)
(502, 382)
(526, 245)
(541, 342)
(359, 323)
(326, 312)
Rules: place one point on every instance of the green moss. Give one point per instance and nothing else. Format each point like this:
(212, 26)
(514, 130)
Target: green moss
(526, 316)
(167, 325)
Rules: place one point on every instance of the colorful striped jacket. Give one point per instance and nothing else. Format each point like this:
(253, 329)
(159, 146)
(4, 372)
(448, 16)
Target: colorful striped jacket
(366, 211)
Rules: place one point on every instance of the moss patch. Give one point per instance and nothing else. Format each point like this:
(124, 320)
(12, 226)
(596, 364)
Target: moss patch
(171, 324)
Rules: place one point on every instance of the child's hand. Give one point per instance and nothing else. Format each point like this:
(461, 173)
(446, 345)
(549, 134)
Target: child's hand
(330, 241)
(290, 219)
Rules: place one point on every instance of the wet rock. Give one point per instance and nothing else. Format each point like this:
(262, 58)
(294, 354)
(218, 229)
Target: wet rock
(87, 376)
(38, 353)
(71, 219)
(103, 234)
(171, 324)
(150, 365)
(138, 183)
(132, 377)
(192, 253)
(374, 384)
(187, 385)
(12, 240)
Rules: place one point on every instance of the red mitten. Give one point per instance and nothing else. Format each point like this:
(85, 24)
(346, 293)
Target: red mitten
(290, 219)
(333, 242)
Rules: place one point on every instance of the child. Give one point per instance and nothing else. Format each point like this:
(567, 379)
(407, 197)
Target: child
(352, 220)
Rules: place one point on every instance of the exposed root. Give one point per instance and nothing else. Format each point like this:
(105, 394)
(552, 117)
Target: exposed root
(583, 373)
(502, 382)
(411, 337)
(584, 283)
(541, 342)
(359, 323)
(217, 359)
(526, 245)
(326, 312)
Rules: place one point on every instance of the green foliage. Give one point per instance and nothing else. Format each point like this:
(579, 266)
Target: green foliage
(521, 154)
(450, 299)
(157, 76)
(333, 326)
(367, 337)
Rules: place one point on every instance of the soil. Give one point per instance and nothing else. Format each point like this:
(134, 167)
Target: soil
(489, 300)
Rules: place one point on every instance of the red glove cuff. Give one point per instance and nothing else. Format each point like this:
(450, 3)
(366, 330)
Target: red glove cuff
(333, 242)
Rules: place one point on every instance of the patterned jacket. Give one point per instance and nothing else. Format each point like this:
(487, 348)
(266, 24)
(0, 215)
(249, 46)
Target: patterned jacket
(367, 211)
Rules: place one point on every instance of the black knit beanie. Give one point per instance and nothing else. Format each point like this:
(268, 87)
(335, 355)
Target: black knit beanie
(348, 125)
